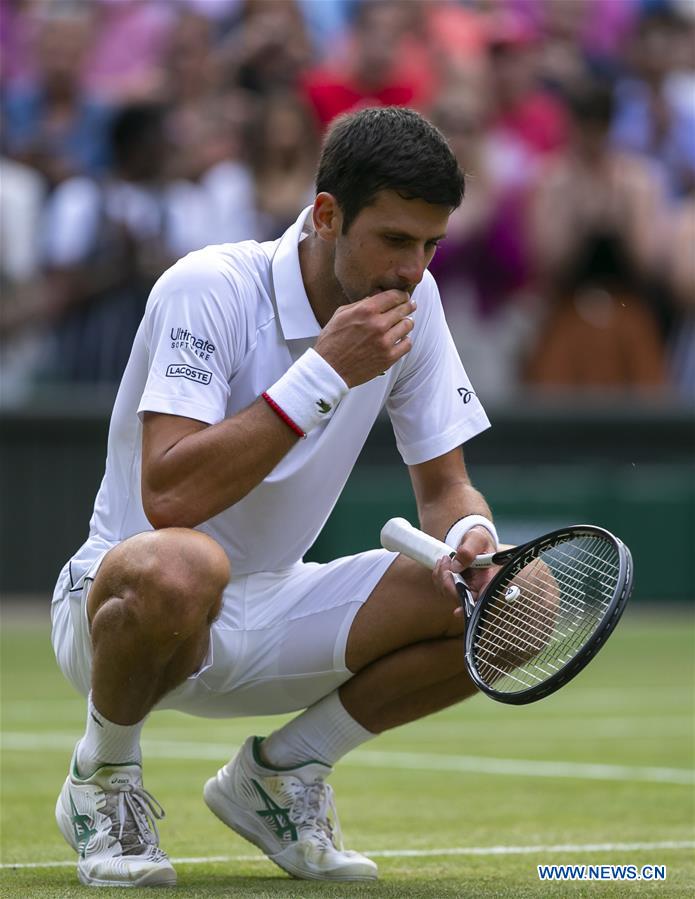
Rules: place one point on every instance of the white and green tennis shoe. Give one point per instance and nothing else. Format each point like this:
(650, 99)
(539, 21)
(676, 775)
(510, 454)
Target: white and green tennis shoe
(288, 813)
(111, 821)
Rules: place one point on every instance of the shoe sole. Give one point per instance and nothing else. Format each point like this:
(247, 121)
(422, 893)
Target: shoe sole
(149, 879)
(243, 824)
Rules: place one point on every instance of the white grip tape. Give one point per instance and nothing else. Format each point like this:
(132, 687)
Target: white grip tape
(460, 528)
(309, 391)
(399, 536)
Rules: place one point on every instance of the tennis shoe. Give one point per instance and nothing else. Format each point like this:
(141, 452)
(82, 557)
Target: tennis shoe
(288, 813)
(111, 821)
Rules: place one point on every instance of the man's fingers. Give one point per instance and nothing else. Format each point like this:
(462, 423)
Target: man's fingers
(397, 314)
(475, 543)
(382, 302)
(443, 574)
(399, 330)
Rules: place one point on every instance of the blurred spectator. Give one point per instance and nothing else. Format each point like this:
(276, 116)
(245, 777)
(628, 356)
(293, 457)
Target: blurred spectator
(599, 235)
(52, 123)
(283, 152)
(212, 167)
(16, 42)
(521, 108)
(578, 32)
(192, 67)
(482, 267)
(21, 199)
(21, 306)
(655, 113)
(125, 60)
(681, 266)
(561, 59)
(106, 243)
(457, 38)
(592, 188)
(384, 62)
(269, 49)
(600, 334)
(326, 22)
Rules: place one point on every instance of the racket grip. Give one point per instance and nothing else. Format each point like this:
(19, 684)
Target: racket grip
(399, 536)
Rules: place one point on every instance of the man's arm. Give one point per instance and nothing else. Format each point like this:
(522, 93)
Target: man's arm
(192, 471)
(444, 494)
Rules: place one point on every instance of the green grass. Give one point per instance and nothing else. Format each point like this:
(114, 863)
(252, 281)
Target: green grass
(633, 707)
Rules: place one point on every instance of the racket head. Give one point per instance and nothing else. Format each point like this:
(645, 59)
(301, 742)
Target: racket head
(556, 602)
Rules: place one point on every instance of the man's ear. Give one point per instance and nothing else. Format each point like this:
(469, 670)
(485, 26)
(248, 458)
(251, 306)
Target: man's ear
(327, 217)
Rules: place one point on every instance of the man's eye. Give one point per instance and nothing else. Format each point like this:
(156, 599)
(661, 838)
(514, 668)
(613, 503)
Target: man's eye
(395, 239)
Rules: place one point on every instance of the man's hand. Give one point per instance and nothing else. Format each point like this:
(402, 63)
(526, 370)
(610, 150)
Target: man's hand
(364, 339)
(476, 542)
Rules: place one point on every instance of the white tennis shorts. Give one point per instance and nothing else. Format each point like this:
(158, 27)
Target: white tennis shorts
(277, 646)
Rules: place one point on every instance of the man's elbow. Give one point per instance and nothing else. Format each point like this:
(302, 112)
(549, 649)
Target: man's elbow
(163, 510)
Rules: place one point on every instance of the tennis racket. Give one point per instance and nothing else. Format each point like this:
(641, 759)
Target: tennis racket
(544, 615)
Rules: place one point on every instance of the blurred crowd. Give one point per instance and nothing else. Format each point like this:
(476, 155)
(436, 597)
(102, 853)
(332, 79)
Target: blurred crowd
(135, 131)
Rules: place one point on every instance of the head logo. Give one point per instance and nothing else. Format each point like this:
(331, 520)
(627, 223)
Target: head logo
(199, 375)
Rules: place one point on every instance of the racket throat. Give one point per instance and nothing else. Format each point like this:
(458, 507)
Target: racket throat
(465, 595)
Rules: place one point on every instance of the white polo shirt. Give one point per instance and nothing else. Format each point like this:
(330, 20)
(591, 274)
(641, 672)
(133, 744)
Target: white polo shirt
(220, 327)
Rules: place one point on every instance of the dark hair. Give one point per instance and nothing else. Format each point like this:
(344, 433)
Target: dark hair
(591, 102)
(387, 148)
(131, 125)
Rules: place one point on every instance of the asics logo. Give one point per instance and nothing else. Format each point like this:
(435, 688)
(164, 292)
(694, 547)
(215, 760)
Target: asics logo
(81, 826)
(274, 815)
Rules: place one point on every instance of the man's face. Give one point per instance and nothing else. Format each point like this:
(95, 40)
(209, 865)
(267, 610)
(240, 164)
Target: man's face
(388, 245)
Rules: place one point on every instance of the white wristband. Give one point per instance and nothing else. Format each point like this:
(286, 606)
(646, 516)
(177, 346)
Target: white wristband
(307, 393)
(460, 528)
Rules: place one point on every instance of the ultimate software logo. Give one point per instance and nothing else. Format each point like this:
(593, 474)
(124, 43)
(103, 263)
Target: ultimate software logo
(181, 338)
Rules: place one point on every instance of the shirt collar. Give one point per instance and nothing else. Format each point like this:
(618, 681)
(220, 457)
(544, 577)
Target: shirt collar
(297, 318)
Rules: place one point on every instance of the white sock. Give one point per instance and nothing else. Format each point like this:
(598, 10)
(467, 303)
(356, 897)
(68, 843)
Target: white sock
(324, 732)
(106, 743)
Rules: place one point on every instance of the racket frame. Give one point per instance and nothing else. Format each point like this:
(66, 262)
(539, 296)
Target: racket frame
(515, 558)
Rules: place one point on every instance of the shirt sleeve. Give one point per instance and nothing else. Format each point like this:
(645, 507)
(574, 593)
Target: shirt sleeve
(432, 406)
(194, 327)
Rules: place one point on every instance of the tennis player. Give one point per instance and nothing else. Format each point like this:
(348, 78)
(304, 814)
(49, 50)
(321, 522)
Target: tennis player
(254, 379)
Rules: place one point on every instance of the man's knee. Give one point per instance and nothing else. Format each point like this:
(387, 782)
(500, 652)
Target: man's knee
(174, 575)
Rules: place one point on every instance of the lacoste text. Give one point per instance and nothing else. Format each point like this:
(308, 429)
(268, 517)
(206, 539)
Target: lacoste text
(193, 374)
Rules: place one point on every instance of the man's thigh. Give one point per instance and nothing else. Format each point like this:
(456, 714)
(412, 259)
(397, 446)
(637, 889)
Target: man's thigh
(279, 642)
(404, 608)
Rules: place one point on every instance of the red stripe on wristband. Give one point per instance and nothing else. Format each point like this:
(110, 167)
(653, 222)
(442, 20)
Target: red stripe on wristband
(283, 415)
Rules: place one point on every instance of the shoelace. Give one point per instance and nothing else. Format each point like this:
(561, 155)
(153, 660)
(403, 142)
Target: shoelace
(136, 813)
(314, 806)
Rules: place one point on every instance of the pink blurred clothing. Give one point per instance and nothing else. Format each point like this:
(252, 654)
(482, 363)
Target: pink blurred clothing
(131, 39)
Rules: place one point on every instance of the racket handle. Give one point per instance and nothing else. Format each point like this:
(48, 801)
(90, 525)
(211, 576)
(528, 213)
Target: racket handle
(399, 536)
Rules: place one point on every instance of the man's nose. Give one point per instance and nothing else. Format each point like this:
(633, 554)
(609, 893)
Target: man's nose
(410, 271)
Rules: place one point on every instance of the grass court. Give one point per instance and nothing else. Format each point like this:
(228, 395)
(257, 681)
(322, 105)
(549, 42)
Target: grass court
(463, 804)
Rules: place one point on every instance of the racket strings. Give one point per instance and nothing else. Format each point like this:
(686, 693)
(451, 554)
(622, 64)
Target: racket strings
(563, 595)
(519, 621)
(571, 615)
